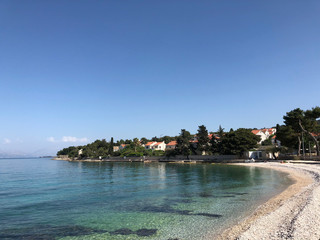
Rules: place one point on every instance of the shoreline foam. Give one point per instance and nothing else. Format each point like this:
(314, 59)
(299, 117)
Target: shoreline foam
(292, 214)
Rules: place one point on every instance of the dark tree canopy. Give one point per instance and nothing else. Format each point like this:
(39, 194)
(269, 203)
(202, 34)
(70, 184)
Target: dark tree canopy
(111, 147)
(304, 122)
(203, 139)
(237, 142)
(220, 131)
(287, 136)
(183, 143)
(144, 140)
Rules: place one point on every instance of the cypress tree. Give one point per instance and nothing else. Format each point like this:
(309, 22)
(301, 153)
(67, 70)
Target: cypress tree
(111, 146)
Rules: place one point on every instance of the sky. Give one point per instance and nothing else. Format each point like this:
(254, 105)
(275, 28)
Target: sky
(75, 71)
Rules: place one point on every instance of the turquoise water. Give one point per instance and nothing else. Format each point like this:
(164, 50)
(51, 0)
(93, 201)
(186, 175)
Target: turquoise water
(47, 199)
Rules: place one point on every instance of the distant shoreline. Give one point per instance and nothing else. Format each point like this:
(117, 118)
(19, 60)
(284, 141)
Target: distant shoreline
(291, 214)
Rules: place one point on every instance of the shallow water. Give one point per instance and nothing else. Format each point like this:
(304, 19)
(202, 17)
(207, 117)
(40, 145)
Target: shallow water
(47, 199)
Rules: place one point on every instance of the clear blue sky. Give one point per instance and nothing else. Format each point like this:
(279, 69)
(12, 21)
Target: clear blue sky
(76, 71)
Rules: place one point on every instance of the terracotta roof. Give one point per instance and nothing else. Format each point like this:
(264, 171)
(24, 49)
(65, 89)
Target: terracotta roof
(255, 131)
(158, 143)
(172, 143)
(150, 143)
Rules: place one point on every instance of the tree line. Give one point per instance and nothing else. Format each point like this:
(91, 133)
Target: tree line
(104, 149)
(300, 128)
(233, 142)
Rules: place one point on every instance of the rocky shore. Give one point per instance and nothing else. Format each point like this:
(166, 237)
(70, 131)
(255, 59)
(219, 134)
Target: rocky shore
(293, 214)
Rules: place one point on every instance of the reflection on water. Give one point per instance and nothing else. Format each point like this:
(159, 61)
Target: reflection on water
(46, 199)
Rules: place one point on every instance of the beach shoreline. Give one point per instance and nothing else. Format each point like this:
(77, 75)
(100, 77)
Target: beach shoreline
(287, 215)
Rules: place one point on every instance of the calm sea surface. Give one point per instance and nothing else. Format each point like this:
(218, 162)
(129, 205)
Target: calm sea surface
(47, 199)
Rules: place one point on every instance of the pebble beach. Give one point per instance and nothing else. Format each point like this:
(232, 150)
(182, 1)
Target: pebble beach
(293, 214)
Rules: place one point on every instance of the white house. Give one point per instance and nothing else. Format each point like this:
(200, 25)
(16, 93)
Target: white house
(149, 145)
(159, 146)
(155, 146)
(260, 154)
(264, 133)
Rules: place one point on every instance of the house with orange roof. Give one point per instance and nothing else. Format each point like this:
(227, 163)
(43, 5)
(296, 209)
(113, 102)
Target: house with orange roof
(171, 145)
(149, 145)
(155, 146)
(264, 133)
(159, 146)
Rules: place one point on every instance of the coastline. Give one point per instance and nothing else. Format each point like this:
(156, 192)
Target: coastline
(292, 214)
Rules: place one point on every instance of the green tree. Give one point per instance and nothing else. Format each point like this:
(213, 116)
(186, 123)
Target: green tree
(267, 142)
(135, 143)
(167, 139)
(311, 126)
(101, 152)
(71, 152)
(238, 142)
(291, 119)
(203, 140)
(287, 136)
(155, 139)
(221, 131)
(133, 151)
(111, 145)
(304, 122)
(170, 153)
(87, 152)
(144, 140)
(183, 143)
(215, 145)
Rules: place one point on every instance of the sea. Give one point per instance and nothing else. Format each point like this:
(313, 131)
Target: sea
(46, 199)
